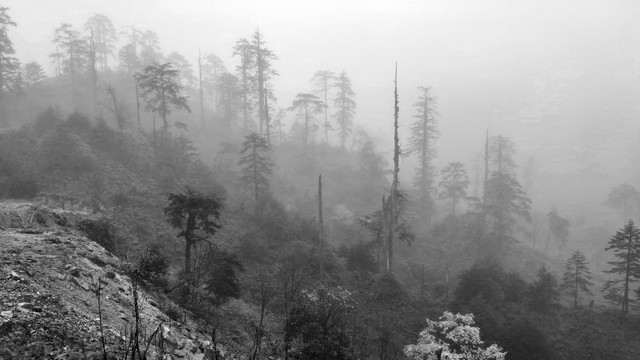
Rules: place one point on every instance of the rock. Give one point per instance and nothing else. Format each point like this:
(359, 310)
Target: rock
(80, 284)
(6, 314)
(194, 349)
(75, 356)
(179, 353)
(74, 271)
(205, 344)
(14, 276)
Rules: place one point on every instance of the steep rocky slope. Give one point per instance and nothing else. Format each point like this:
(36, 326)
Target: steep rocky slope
(49, 272)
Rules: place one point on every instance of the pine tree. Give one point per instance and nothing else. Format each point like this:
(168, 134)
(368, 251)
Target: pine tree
(75, 58)
(194, 214)
(263, 70)
(160, 86)
(307, 105)
(577, 277)
(104, 38)
(244, 50)
(626, 246)
(345, 106)
(423, 135)
(454, 183)
(256, 166)
(9, 65)
(321, 80)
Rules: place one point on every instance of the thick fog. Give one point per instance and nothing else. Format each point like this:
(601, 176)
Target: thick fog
(560, 78)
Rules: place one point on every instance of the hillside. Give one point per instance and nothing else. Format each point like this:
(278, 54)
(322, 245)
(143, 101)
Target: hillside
(49, 307)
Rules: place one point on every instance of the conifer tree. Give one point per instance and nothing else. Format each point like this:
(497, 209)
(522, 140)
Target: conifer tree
(256, 166)
(9, 65)
(104, 34)
(307, 105)
(577, 277)
(423, 135)
(454, 183)
(626, 247)
(263, 70)
(196, 216)
(345, 106)
(75, 58)
(244, 50)
(160, 87)
(321, 80)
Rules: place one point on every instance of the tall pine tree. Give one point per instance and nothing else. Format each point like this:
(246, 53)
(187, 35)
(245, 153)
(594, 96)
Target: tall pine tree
(577, 277)
(626, 247)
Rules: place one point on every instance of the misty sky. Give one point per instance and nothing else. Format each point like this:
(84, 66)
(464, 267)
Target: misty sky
(556, 76)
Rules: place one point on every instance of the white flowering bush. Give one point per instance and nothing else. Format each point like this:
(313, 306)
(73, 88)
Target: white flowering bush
(452, 337)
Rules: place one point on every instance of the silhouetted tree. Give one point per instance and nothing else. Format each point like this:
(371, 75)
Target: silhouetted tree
(624, 198)
(256, 166)
(9, 65)
(75, 50)
(195, 215)
(423, 135)
(263, 70)
(577, 276)
(104, 34)
(243, 49)
(345, 106)
(229, 96)
(160, 87)
(184, 67)
(321, 80)
(559, 228)
(307, 106)
(454, 183)
(33, 74)
(626, 247)
(543, 293)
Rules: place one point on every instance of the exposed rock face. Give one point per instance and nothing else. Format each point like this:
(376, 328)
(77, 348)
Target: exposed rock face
(48, 304)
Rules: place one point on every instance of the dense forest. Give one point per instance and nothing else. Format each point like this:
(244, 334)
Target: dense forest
(287, 228)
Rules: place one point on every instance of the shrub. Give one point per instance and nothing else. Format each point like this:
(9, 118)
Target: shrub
(153, 267)
(101, 231)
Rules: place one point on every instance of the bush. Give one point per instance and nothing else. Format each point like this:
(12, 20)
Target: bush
(153, 267)
(101, 231)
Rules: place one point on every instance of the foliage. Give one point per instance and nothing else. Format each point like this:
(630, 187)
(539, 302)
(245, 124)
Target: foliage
(345, 105)
(10, 76)
(321, 80)
(544, 292)
(104, 37)
(307, 106)
(196, 216)
(102, 231)
(454, 183)
(319, 323)
(626, 199)
(505, 203)
(577, 277)
(220, 271)
(256, 166)
(626, 247)
(153, 267)
(160, 87)
(452, 337)
(421, 141)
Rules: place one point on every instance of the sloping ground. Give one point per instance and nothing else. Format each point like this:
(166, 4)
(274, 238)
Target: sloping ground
(48, 306)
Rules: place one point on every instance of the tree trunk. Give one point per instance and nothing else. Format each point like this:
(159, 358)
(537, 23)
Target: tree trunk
(201, 91)
(396, 170)
(320, 228)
